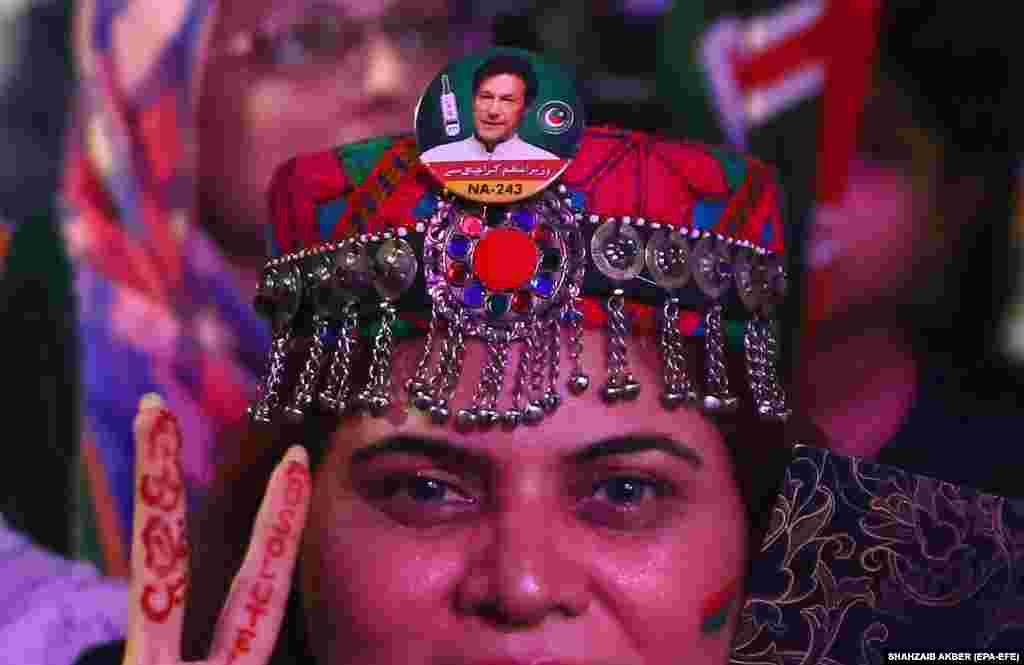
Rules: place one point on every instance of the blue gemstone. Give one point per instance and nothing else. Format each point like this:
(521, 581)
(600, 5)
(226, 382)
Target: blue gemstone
(707, 213)
(551, 261)
(543, 285)
(579, 200)
(571, 316)
(498, 305)
(425, 206)
(473, 295)
(331, 335)
(458, 247)
(524, 219)
(724, 269)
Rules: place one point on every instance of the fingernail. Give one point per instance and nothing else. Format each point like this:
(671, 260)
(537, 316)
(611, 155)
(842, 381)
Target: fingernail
(150, 401)
(296, 454)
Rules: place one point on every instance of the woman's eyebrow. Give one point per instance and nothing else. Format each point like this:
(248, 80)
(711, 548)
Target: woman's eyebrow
(442, 451)
(437, 450)
(636, 443)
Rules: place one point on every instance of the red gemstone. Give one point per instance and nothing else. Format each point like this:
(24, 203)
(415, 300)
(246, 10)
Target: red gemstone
(505, 259)
(472, 226)
(593, 313)
(457, 273)
(521, 302)
(542, 235)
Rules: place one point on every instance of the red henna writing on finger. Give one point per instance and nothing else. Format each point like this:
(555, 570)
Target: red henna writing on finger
(242, 645)
(255, 612)
(156, 603)
(257, 606)
(159, 600)
(260, 596)
(295, 490)
(297, 469)
(163, 547)
(265, 573)
(164, 438)
(264, 597)
(163, 491)
(275, 547)
(283, 526)
(298, 482)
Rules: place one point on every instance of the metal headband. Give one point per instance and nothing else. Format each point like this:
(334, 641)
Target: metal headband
(514, 275)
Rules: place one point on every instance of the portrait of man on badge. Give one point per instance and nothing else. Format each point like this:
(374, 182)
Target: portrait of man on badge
(499, 126)
(504, 89)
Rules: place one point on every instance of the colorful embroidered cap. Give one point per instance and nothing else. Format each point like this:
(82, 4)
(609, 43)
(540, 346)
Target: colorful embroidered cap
(640, 235)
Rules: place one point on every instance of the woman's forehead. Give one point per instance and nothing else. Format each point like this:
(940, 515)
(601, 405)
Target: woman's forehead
(580, 422)
(247, 14)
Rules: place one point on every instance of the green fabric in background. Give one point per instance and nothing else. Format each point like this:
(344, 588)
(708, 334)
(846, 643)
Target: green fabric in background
(680, 77)
(43, 489)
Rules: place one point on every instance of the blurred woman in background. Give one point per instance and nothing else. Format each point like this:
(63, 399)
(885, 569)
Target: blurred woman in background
(184, 109)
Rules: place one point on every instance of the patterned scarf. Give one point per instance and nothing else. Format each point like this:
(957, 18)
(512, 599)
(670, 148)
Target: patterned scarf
(158, 308)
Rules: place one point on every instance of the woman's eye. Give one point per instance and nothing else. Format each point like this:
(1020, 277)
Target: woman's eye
(429, 489)
(626, 491)
(420, 36)
(419, 500)
(314, 40)
(626, 502)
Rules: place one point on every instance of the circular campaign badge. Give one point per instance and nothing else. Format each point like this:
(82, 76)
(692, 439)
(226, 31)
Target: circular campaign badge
(499, 126)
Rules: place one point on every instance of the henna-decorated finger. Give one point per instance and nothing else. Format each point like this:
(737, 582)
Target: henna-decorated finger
(251, 619)
(159, 572)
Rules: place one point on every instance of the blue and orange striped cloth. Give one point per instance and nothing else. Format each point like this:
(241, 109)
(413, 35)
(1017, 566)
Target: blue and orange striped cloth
(158, 308)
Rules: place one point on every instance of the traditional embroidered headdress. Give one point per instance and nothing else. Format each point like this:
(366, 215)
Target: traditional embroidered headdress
(640, 234)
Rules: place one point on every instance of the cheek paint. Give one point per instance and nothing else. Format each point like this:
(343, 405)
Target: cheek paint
(717, 608)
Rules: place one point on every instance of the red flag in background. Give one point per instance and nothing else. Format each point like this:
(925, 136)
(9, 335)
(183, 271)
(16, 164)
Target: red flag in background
(773, 69)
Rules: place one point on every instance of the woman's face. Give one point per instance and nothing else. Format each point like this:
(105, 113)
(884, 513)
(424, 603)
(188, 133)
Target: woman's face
(606, 535)
(286, 77)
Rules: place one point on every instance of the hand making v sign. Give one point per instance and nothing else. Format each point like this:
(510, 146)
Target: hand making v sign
(252, 614)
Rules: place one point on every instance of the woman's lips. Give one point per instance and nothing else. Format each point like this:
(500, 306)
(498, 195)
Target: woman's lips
(823, 243)
(822, 250)
(526, 662)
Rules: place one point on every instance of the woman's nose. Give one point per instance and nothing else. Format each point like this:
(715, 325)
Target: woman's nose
(525, 571)
(384, 65)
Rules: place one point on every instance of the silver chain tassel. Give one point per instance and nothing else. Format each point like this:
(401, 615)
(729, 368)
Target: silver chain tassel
(443, 384)
(307, 383)
(678, 386)
(717, 396)
(552, 399)
(419, 383)
(512, 417)
(756, 357)
(482, 412)
(377, 394)
(540, 355)
(334, 397)
(498, 349)
(621, 384)
(578, 381)
(776, 394)
(269, 397)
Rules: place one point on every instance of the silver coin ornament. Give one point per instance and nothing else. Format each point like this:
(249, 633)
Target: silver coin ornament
(395, 267)
(776, 280)
(749, 279)
(617, 250)
(713, 267)
(279, 295)
(668, 259)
